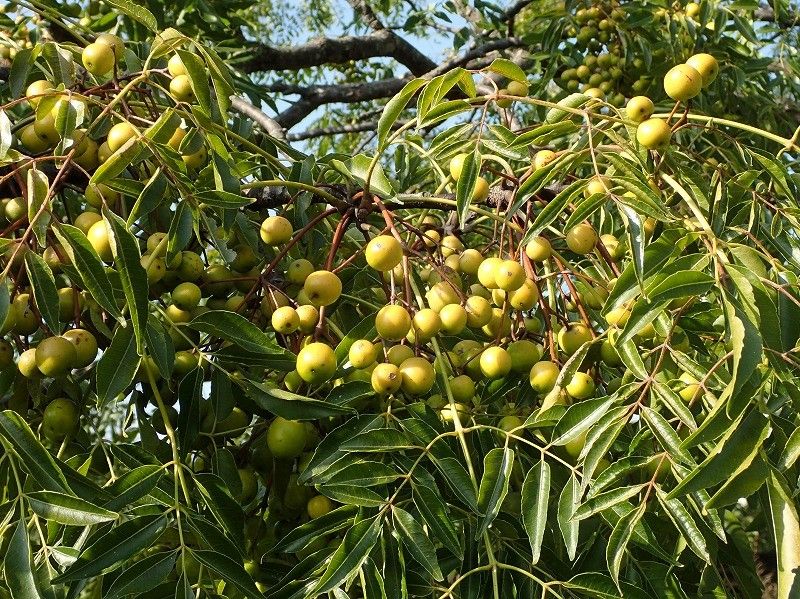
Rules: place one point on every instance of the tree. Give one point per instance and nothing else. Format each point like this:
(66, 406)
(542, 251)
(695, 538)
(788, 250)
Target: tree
(517, 324)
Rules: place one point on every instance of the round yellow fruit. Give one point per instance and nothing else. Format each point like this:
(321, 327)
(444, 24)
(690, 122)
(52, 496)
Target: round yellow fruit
(318, 506)
(175, 66)
(112, 41)
(98, 59)
(316, 363)
(322, 288)
(706, 65)
(582, 238)
(417, 376)
(639, 108)
(85, 346)
(119, 135)
(653, 134)
(36, 90)
(543, 376)
(286, 439)
(181, 88)
(100, 240)
(510, 275)
(581, 386)
(276, 230)
(383, 253)
(362, 353)
(426, 324)
(573, 336)
(60, 419)
(454, 318)
(682, 82)
(386, 378)
(538, 249)
(392, 322)
(285, 320)
(495, 362)
(55, 356)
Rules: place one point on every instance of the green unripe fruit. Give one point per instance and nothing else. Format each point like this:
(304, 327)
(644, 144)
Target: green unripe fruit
(286, 439)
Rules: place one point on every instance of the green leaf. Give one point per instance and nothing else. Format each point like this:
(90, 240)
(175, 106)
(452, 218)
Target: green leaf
(290, 405)
(6, 138)
(44, 290)
(746, 480)
(508, 69)
(160, 346)
(535, 497)
(746, 345)
(223, 199)
(554, 209)
(34, 458)
(142, 575)
(600, 586)
(786, 527)
(38, 204)
(350, 555)
(394, 108)
(579, 418)
(18, 566)
(237, 329)
(436, 515)
(569, 526)
(88, 264)
(790, 452)
(225, 508)
(150, 198)
(378, 182)
(130, 152)
(618, 541)
(137, 13)
(114, 547)
(230, 570)
(353, 495)
(196, 70)
(685, 524)
(66, 509)
(133, 485)
(190, 394)
(379, 440)
(497, 467)
(666, 435)
(417, 542)
(603, 501)
(300, 536)
(118, 365)
(131, 273)
(734, 448)
(20, 67)
(363, 474)
(465, 185)
(680, 285)
(636, 241)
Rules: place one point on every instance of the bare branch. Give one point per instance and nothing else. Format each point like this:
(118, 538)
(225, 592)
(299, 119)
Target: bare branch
(270, 125)
(319, 51)
(767, 13)
(317, 95)
(338, 130)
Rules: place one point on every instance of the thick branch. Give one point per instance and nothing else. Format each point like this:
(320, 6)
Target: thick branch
(767, 13)
(383, 43)
(317, 95)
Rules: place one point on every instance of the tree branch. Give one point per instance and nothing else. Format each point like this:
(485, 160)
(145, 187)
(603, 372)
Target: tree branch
(270, 125)
(319, 51)
(767, 13)
(338, 130)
